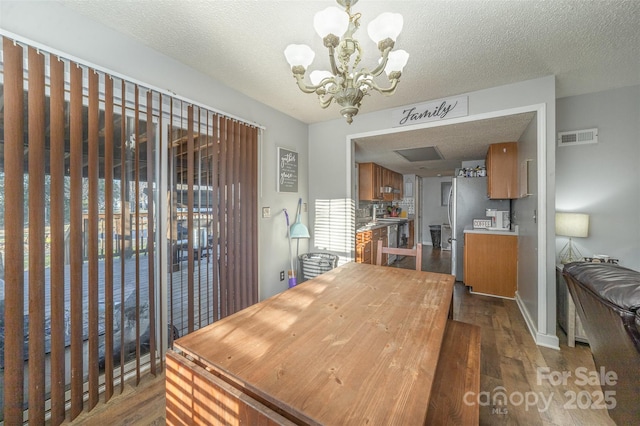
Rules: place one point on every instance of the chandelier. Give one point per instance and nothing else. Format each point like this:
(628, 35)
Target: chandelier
(345, 83)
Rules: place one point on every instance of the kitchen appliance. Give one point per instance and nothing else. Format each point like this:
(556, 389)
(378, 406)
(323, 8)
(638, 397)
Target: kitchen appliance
(392, 236)
(499, 219)
(445, 237)
(481, 223)
(403, 234)
(467, 200)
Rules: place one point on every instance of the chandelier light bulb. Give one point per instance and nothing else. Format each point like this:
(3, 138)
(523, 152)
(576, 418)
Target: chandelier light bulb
(397, 61)
(318, 75)
(386, 25)
(299, 54)
(331, 21)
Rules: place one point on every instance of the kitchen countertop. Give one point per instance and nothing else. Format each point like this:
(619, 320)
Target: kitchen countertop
(380, 223)
(469, 230)
(371, 226)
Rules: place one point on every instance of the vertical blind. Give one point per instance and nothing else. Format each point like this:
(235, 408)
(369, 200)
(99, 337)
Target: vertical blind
(81, 209)
(213, 218)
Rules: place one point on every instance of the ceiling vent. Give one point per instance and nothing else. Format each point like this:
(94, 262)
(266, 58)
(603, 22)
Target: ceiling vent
(427, 153)
(578, 137)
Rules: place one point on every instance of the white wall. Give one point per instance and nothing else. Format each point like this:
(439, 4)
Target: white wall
(329, 147)
(525, 215)
(55, 26)
(603, 179)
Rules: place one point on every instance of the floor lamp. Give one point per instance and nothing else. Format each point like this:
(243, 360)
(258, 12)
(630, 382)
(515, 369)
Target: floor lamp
(571, 225)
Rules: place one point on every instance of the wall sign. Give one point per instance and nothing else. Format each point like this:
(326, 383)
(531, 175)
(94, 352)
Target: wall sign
(287, 170)
(431, 111)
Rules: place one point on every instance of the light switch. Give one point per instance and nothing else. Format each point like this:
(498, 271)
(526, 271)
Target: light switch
(266, 212)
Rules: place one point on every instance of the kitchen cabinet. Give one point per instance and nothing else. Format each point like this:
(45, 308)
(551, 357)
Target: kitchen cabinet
(367, 245)
(398, 185)
(391, 179)
(387, 182)
(379, 234)
(502, 170)
(369, 181)
(363, 247)
(491, 263)
(372, 177)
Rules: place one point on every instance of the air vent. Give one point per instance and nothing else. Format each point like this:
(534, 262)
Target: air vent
(427, 153)
(578, 137)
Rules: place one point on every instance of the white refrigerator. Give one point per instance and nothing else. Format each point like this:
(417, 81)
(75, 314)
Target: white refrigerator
(468, 200)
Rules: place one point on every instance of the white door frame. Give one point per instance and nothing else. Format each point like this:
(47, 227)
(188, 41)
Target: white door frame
(538, 330)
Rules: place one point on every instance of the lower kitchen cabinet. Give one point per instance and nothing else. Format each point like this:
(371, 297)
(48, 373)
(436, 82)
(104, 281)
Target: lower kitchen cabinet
(367, 245)
(491, 263)
(364, 247)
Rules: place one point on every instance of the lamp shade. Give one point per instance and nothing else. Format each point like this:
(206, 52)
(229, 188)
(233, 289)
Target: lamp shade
(386, 25)
(299, 54)
(317, 76)
(331, 21)
(396, 61)
(572, 224)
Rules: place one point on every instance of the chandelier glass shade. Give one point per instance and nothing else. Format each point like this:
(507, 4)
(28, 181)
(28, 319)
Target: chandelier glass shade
(345, 83)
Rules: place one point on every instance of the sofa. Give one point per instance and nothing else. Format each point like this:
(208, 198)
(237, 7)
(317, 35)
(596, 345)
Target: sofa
(607, 299)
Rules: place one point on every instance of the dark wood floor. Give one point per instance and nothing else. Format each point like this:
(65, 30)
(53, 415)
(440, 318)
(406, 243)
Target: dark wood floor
(511, 366)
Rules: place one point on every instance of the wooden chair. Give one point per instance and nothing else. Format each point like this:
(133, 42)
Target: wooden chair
(416, 252)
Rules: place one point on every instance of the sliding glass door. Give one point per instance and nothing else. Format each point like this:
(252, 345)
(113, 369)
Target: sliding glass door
(128, 217)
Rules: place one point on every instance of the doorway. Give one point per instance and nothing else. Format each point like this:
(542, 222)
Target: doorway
(460, 143)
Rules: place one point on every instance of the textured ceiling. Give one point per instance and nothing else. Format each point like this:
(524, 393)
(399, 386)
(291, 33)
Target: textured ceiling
(455, 47)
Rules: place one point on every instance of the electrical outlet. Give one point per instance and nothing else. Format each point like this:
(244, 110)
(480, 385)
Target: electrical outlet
(266, 212)
(281, 275)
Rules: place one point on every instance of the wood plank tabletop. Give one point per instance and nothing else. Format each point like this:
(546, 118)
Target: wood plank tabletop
(358, 344)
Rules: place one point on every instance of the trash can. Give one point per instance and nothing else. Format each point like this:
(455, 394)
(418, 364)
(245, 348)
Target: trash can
(436, 232)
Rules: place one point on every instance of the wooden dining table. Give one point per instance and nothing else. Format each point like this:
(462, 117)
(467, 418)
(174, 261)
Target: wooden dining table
(356, 345)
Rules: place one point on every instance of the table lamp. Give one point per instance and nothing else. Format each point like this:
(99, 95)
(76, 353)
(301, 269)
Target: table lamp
(571, 225)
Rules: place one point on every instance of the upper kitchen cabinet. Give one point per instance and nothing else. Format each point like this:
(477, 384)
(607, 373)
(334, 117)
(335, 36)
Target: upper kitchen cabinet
(387, 178)
(377, 183)
(369, 181)
(398, 185)
(502, 170)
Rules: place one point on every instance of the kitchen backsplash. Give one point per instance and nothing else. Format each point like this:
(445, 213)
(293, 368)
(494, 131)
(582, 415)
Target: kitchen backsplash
(406, 204)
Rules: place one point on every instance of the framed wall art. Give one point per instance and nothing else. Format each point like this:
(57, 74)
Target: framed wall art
(287, 170)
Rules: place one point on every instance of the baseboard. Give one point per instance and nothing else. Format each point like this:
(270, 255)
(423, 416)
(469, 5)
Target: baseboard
(491, 295)
(548, 341)
(545, 340)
